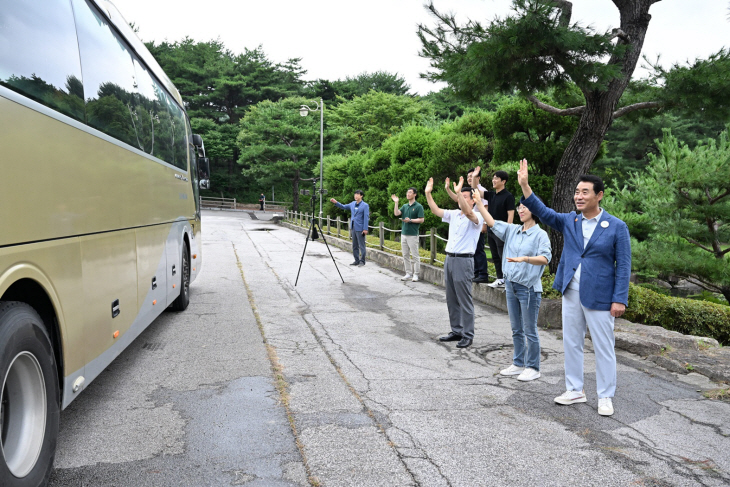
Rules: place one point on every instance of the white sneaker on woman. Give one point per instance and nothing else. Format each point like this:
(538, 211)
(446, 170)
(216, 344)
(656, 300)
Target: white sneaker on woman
(529, 374)
(406, 277)
(512, 370)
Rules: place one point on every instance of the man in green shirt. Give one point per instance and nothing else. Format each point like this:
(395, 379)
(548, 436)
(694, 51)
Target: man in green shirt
(412, 216)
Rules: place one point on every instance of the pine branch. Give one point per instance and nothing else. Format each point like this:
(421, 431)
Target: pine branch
(636, 106)
(621, 35)
(716, 199)
(695, 242)
(576, 111)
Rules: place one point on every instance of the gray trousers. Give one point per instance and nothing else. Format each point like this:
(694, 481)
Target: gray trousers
(458, 273)
(358, 245)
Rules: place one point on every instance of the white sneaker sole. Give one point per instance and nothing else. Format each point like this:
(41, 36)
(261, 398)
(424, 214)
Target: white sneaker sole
(509, 374)
(528, 379)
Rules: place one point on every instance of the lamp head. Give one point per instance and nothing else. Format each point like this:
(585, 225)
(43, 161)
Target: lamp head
(303, 111)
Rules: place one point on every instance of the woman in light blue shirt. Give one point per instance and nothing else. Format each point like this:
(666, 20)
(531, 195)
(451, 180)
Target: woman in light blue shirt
(526, 253)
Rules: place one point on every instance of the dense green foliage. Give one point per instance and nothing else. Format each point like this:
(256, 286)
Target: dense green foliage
(678, 211)
(683, 315)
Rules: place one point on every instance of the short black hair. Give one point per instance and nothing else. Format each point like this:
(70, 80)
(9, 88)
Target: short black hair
(534, 216)
(502, 175)
(359, 191)
(415, 191)
(466, 188)
(590, 178)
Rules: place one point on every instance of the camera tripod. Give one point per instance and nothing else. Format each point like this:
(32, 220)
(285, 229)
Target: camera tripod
(313, 226)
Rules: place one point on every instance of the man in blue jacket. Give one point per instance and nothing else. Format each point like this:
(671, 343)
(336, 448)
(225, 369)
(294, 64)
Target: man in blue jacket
(358, 226)
(593, 276)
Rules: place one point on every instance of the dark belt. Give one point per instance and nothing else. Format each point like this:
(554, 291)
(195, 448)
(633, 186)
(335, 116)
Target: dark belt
(459, 255)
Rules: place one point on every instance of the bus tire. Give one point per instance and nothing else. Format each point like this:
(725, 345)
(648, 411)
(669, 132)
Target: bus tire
(182, 301)
(29, 397)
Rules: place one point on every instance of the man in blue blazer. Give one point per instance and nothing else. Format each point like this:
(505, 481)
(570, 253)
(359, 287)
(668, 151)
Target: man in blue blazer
(593, 276)
(359, 225)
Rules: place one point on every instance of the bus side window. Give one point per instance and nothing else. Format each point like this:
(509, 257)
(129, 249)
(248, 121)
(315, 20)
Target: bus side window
(109, 81)
(39, 55)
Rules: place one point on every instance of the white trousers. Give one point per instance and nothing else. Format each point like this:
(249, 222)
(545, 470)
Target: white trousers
(575, 319)
(411, 259)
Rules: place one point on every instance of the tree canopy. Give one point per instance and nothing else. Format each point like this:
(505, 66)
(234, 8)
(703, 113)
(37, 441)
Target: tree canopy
(536, 48)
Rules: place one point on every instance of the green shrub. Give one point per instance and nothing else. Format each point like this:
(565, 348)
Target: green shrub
(709, 297)
(686, 316)
(655, 288)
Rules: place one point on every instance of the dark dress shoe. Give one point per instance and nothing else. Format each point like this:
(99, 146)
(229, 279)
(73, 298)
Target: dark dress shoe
(463, 343)
(355, 263)
(451, 337)
(480, 279)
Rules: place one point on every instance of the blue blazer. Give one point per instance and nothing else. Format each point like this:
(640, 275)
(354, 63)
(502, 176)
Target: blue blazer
(360, 217)
(605, 260)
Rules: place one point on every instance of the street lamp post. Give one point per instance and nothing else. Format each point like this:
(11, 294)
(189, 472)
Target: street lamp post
(304, 111)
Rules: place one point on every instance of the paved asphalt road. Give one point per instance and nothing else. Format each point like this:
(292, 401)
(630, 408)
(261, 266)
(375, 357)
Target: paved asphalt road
(263, 383)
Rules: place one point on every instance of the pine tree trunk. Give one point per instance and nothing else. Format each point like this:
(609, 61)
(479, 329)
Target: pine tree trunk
(598, 116)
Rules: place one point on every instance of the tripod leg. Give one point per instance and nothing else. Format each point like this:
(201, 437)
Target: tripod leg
(321, 233)
(311, 227)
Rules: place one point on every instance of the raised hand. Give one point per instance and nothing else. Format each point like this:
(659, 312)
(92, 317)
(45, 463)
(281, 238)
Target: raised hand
(429, 186)
(522, 173)
(448, 182)
(457, 187)
(394, 198)
(477, 198)
(476, 172)
(332, 200)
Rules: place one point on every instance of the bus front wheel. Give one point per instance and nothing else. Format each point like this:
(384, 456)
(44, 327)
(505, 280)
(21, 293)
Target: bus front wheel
(182, 301)
(29, 409)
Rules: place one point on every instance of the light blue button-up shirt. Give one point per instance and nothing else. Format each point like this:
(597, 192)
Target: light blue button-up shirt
(532, 243)
(588, 225)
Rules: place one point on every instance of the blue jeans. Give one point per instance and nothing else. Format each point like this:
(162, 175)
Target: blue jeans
(523, 305)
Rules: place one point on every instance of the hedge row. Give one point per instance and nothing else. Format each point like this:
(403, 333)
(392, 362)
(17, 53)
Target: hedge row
(688, 316)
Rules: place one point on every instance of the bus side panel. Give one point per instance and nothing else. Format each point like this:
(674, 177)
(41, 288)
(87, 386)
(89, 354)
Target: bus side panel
(152, 265)
(147, 310)
(109, 273)
(196, 250)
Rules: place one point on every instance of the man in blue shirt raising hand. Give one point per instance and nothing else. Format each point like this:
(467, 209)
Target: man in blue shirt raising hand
(358, 226)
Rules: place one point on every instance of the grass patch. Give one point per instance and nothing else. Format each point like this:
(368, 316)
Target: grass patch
(718, 394)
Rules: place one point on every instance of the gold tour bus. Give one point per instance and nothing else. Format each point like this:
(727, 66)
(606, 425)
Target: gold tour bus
(99, 211)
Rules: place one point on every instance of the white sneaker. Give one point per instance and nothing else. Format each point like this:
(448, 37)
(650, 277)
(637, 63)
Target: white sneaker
(406, 277)
(415, 278)
(529, 374)
(512, 370)
(497, 283)
(605, 406)
(571, 397)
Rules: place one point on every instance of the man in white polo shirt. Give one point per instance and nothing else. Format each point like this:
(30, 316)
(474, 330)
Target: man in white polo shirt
(464, 228)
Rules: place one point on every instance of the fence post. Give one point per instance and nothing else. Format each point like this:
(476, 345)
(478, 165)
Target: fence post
(382, 235)
(349, 227)
(339, 235)
(235, 207)
(433, 245)
(328, 226)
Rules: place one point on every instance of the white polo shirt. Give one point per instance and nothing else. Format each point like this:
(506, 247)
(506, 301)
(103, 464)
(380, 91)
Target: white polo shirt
(463, 233)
